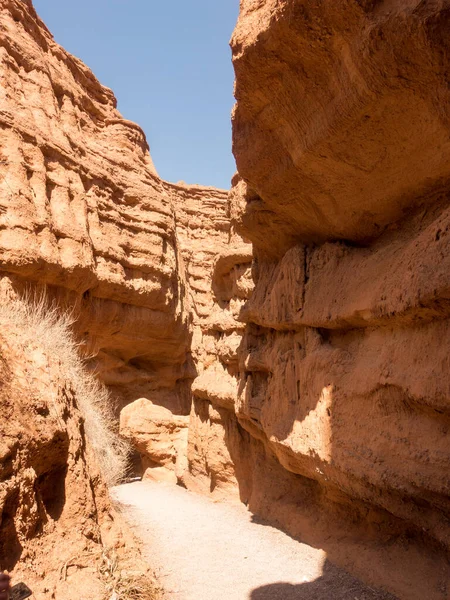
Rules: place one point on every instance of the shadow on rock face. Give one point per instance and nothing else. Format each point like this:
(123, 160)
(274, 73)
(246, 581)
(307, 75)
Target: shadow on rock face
(333, 584)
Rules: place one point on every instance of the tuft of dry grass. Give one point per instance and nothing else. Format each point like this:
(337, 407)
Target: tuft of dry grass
(35, 320)
(126, 585)
(136, 588)
(119, 584)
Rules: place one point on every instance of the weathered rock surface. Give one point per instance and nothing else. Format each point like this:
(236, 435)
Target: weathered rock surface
(214, 434)
(84, 214)
(342, 118)
(304, 373)
(84, 211)
(159, 436)
(55, 514)
(341, 136)
(216, 266)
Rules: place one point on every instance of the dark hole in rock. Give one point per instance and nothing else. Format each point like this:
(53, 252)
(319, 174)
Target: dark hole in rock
(10, 546)
(135, 466)
(51, 488)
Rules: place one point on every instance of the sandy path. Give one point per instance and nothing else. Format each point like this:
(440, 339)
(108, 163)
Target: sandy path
(201, 550)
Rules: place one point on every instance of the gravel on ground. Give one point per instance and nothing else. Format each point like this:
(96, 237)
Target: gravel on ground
(202, 550)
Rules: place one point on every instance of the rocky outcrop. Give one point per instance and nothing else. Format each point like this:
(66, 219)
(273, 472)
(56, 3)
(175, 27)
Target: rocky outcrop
(84, 215)
(83, 211)
(340, 136)
(216, 263)
(342, 115)
(159, 436)
(56, 452)
(286, 346)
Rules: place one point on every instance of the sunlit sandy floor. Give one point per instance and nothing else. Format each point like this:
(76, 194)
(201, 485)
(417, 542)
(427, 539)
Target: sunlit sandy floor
(202, 550)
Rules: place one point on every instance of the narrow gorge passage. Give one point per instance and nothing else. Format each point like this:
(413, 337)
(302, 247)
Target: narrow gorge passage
(202, 550)
(284, 343)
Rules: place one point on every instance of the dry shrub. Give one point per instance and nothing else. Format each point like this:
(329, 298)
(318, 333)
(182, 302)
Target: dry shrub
(34, 320)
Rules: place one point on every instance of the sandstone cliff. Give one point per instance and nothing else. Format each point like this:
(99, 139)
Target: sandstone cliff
(57, 450)
(340, 134)
(84, 215)
(286, 345)
(83, 209)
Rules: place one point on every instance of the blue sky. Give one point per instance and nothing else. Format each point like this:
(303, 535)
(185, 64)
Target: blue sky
(169, 65)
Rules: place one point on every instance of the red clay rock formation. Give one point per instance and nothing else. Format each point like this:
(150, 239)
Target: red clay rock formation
(83, 210)
(217, 270)
(341, 138)
(84, 213)
(55, 515)
(159, 436)
(342, 114)
(321, 397)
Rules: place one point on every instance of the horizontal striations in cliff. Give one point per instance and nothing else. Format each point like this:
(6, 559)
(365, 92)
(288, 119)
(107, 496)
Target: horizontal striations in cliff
(82, 210)
(340, 134)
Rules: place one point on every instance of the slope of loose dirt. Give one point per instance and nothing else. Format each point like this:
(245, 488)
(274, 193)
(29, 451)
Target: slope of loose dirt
(205, 550)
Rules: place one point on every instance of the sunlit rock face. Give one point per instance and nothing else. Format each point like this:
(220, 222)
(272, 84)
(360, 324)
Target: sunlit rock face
(151, 271)
(286, 345)
(217, 264)
(342, 115)
(84, 215)
(340, 134)
(159, 436)
(83, 212)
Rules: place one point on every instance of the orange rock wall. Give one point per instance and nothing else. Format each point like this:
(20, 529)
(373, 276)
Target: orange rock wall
(83, 211)
(313, 365)
(84, 215)
(340, 134)
(53, 503)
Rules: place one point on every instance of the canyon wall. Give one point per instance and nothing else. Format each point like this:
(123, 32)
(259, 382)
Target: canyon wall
(84, 213)
(85, 217)
(284, 345)
(55, 517)
(340, 134)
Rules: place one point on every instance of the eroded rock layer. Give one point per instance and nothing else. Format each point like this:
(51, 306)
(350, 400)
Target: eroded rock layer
(83, 208)
(342, 114)
(341, 136)
(286, 346)
(84, 215)
(57, 451)
(84, 212)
